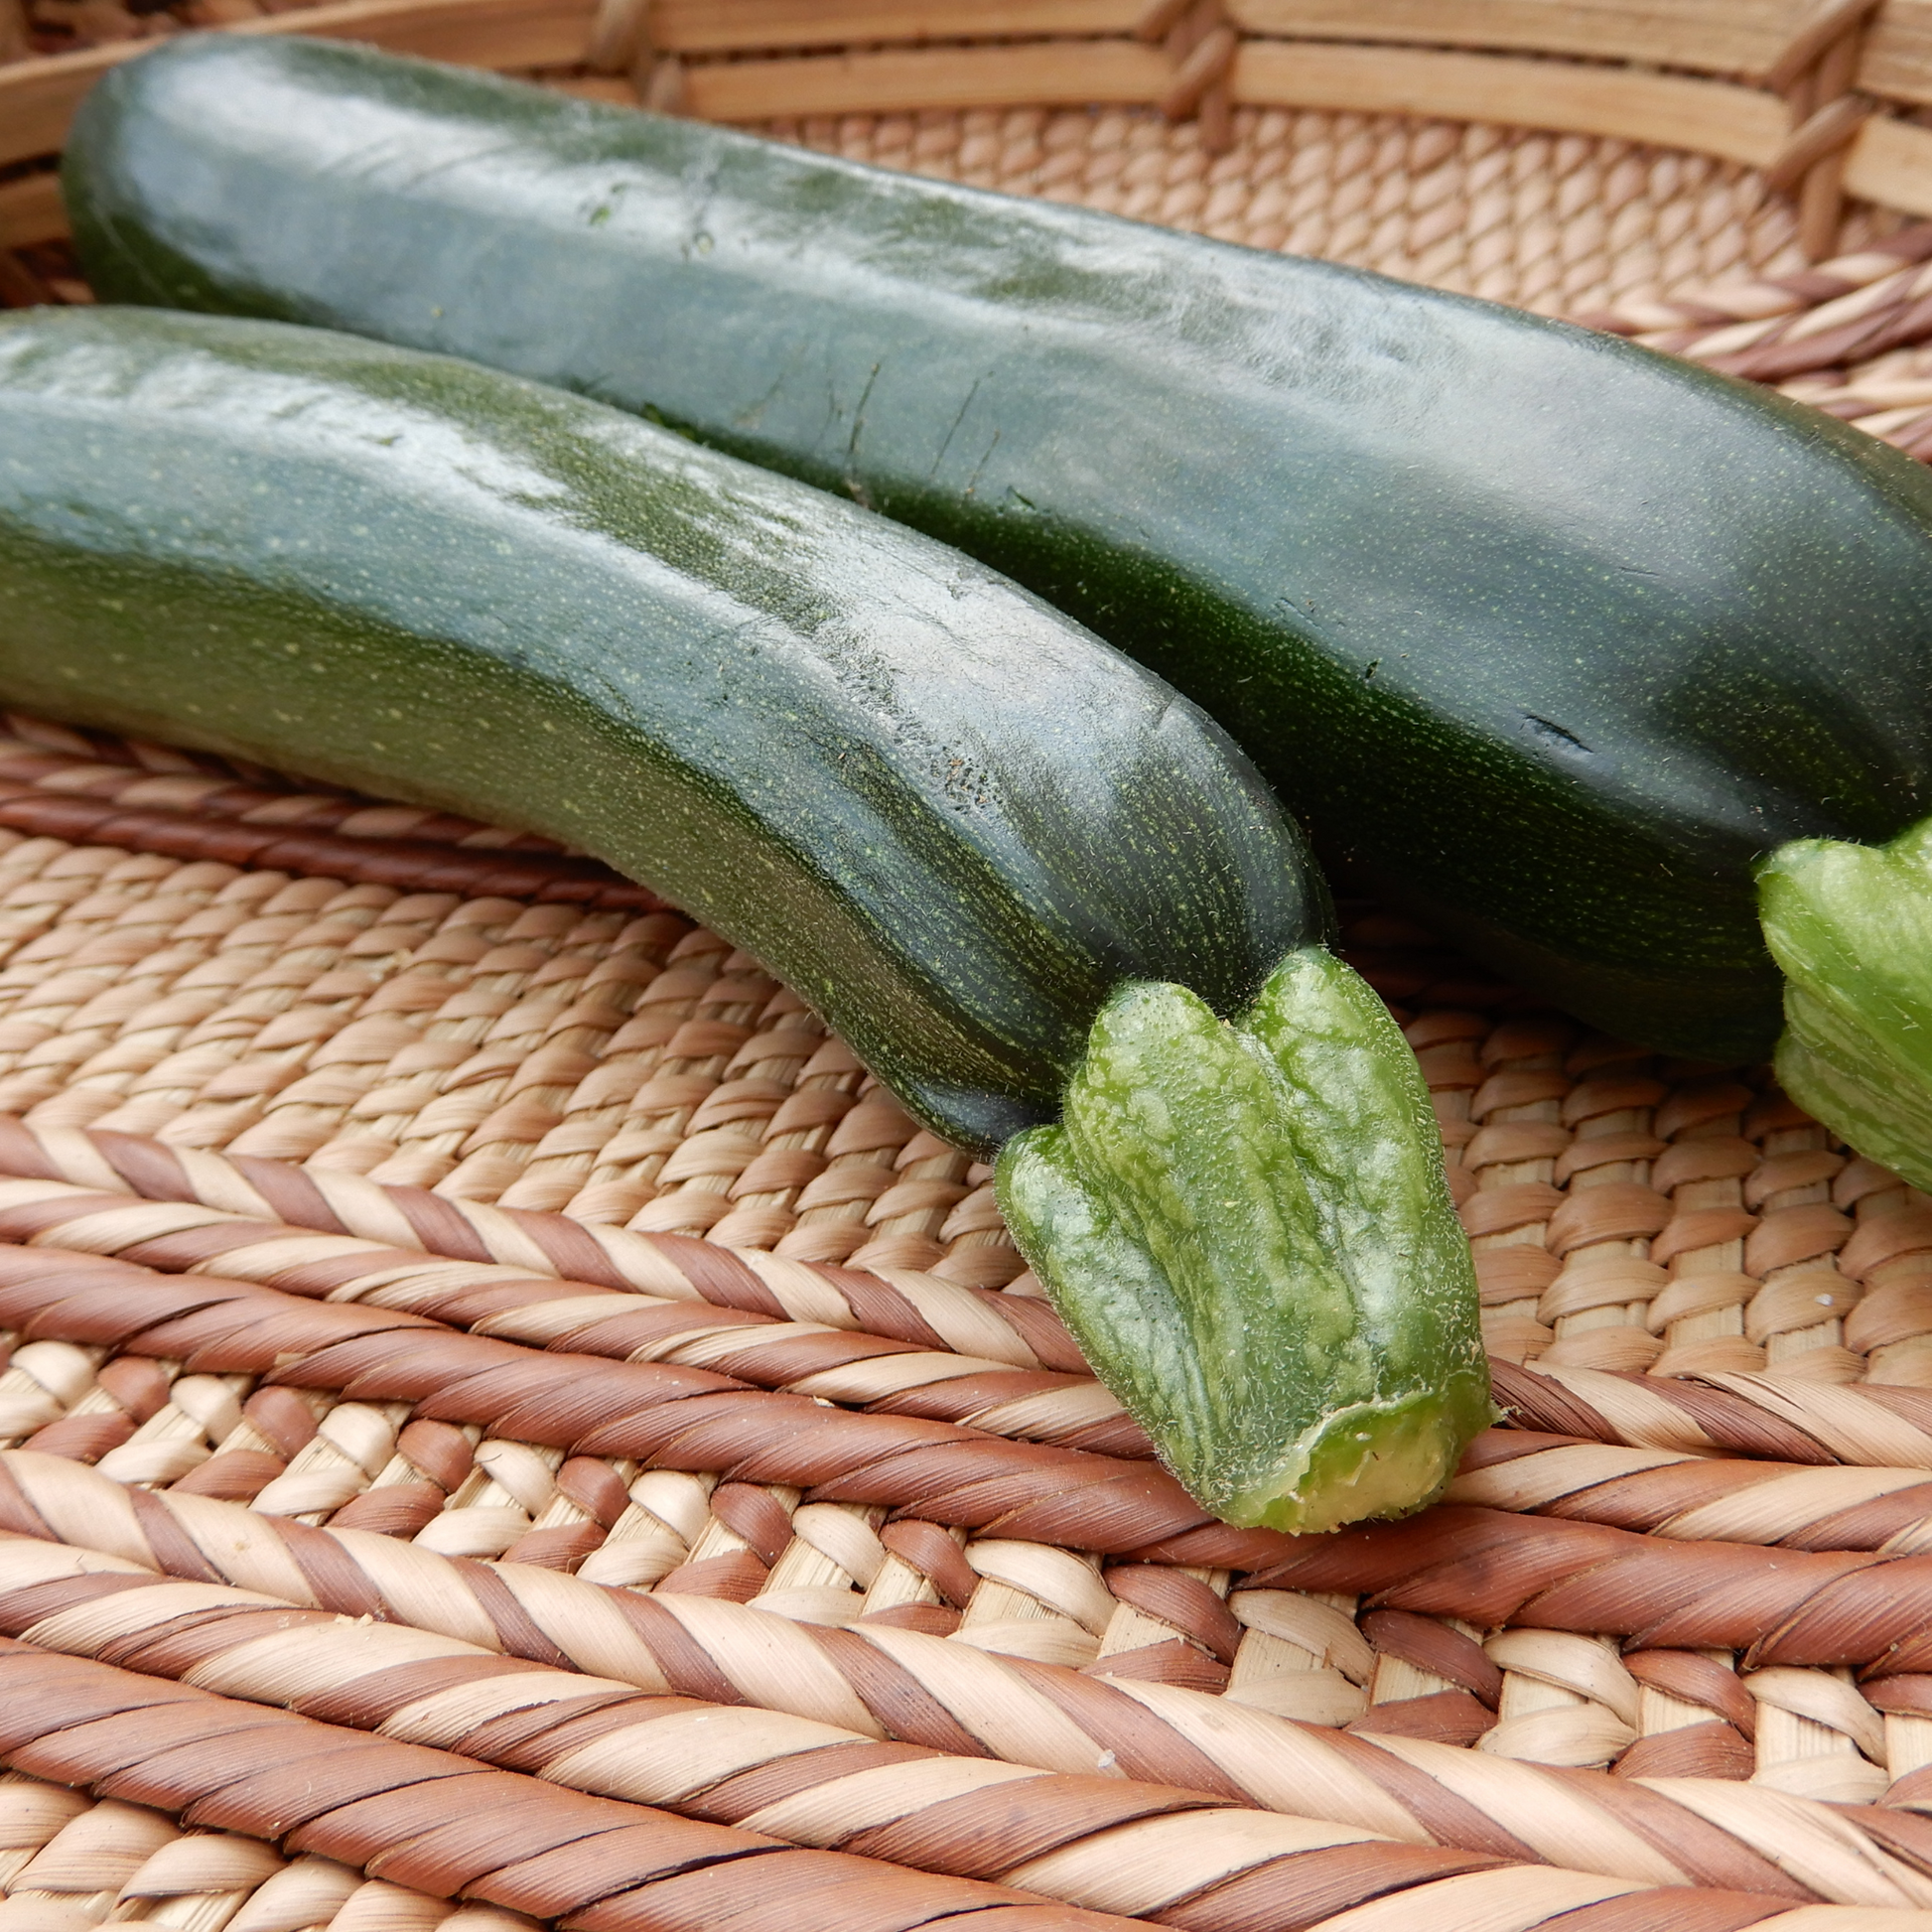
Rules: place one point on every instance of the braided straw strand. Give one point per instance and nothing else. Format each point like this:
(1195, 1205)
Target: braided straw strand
(905, 1312)
(505, 1839)
(1670, 1493)
(514, 1843)
(533, 1054)
(588, 1404)
(814, 1783)
(1156, 1622)
(833, 1360)
(69, 1860)
(67, 1854)
(884, 1682)
(1485, 1804)
(637, 1071)
(374, 1234)
(671, 1416)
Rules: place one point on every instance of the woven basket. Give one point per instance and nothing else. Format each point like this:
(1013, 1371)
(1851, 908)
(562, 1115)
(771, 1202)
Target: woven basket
(506, 1422)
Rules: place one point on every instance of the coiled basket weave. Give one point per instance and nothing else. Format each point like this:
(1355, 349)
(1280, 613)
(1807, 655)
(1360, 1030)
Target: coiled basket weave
(506, 1422)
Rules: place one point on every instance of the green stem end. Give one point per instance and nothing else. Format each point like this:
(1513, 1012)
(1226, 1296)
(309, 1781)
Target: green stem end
(1248, 1230)
(1851, 926)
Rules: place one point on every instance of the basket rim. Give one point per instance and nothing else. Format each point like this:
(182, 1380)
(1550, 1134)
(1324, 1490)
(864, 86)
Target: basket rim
(1733, 88)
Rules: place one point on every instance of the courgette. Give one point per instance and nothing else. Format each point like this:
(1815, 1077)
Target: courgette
(1056, 909)
(1558, 639)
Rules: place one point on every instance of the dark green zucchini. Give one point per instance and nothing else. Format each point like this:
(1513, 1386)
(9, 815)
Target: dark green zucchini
(1044, 896)
(1556, 637)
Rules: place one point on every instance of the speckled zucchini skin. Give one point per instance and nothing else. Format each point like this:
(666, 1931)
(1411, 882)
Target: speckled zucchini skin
(1555, 636)
(946, 814)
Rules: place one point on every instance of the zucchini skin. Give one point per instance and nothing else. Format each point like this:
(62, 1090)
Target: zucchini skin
(1552, 637)
(946, 814)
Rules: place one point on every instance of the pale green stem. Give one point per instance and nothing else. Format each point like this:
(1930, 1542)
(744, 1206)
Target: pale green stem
(1851, 927)
(1248, 1230)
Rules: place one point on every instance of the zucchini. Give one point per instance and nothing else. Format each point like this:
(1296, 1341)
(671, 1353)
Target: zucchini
(1554, 638)
(1040, 892)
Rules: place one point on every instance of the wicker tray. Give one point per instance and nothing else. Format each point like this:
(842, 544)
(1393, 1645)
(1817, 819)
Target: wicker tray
(506, 1422)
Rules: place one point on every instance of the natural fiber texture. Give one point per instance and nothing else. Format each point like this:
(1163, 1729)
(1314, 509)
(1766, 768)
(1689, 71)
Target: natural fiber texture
(748, 1537)
(451, 1826)
(163, 1752)
(1560, 223)
(1627, 1214)
(905, 1342)
(66, 1861)
(879, 1681)
(597, 1415)
(73, 1860)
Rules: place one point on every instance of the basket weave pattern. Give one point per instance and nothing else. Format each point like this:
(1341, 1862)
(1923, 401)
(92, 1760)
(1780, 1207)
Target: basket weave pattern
(178, 1030)
(1566, 225)
(454, 1300)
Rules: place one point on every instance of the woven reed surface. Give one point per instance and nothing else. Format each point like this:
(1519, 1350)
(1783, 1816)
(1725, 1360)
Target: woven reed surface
(1564, 225)
(405, 1220)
